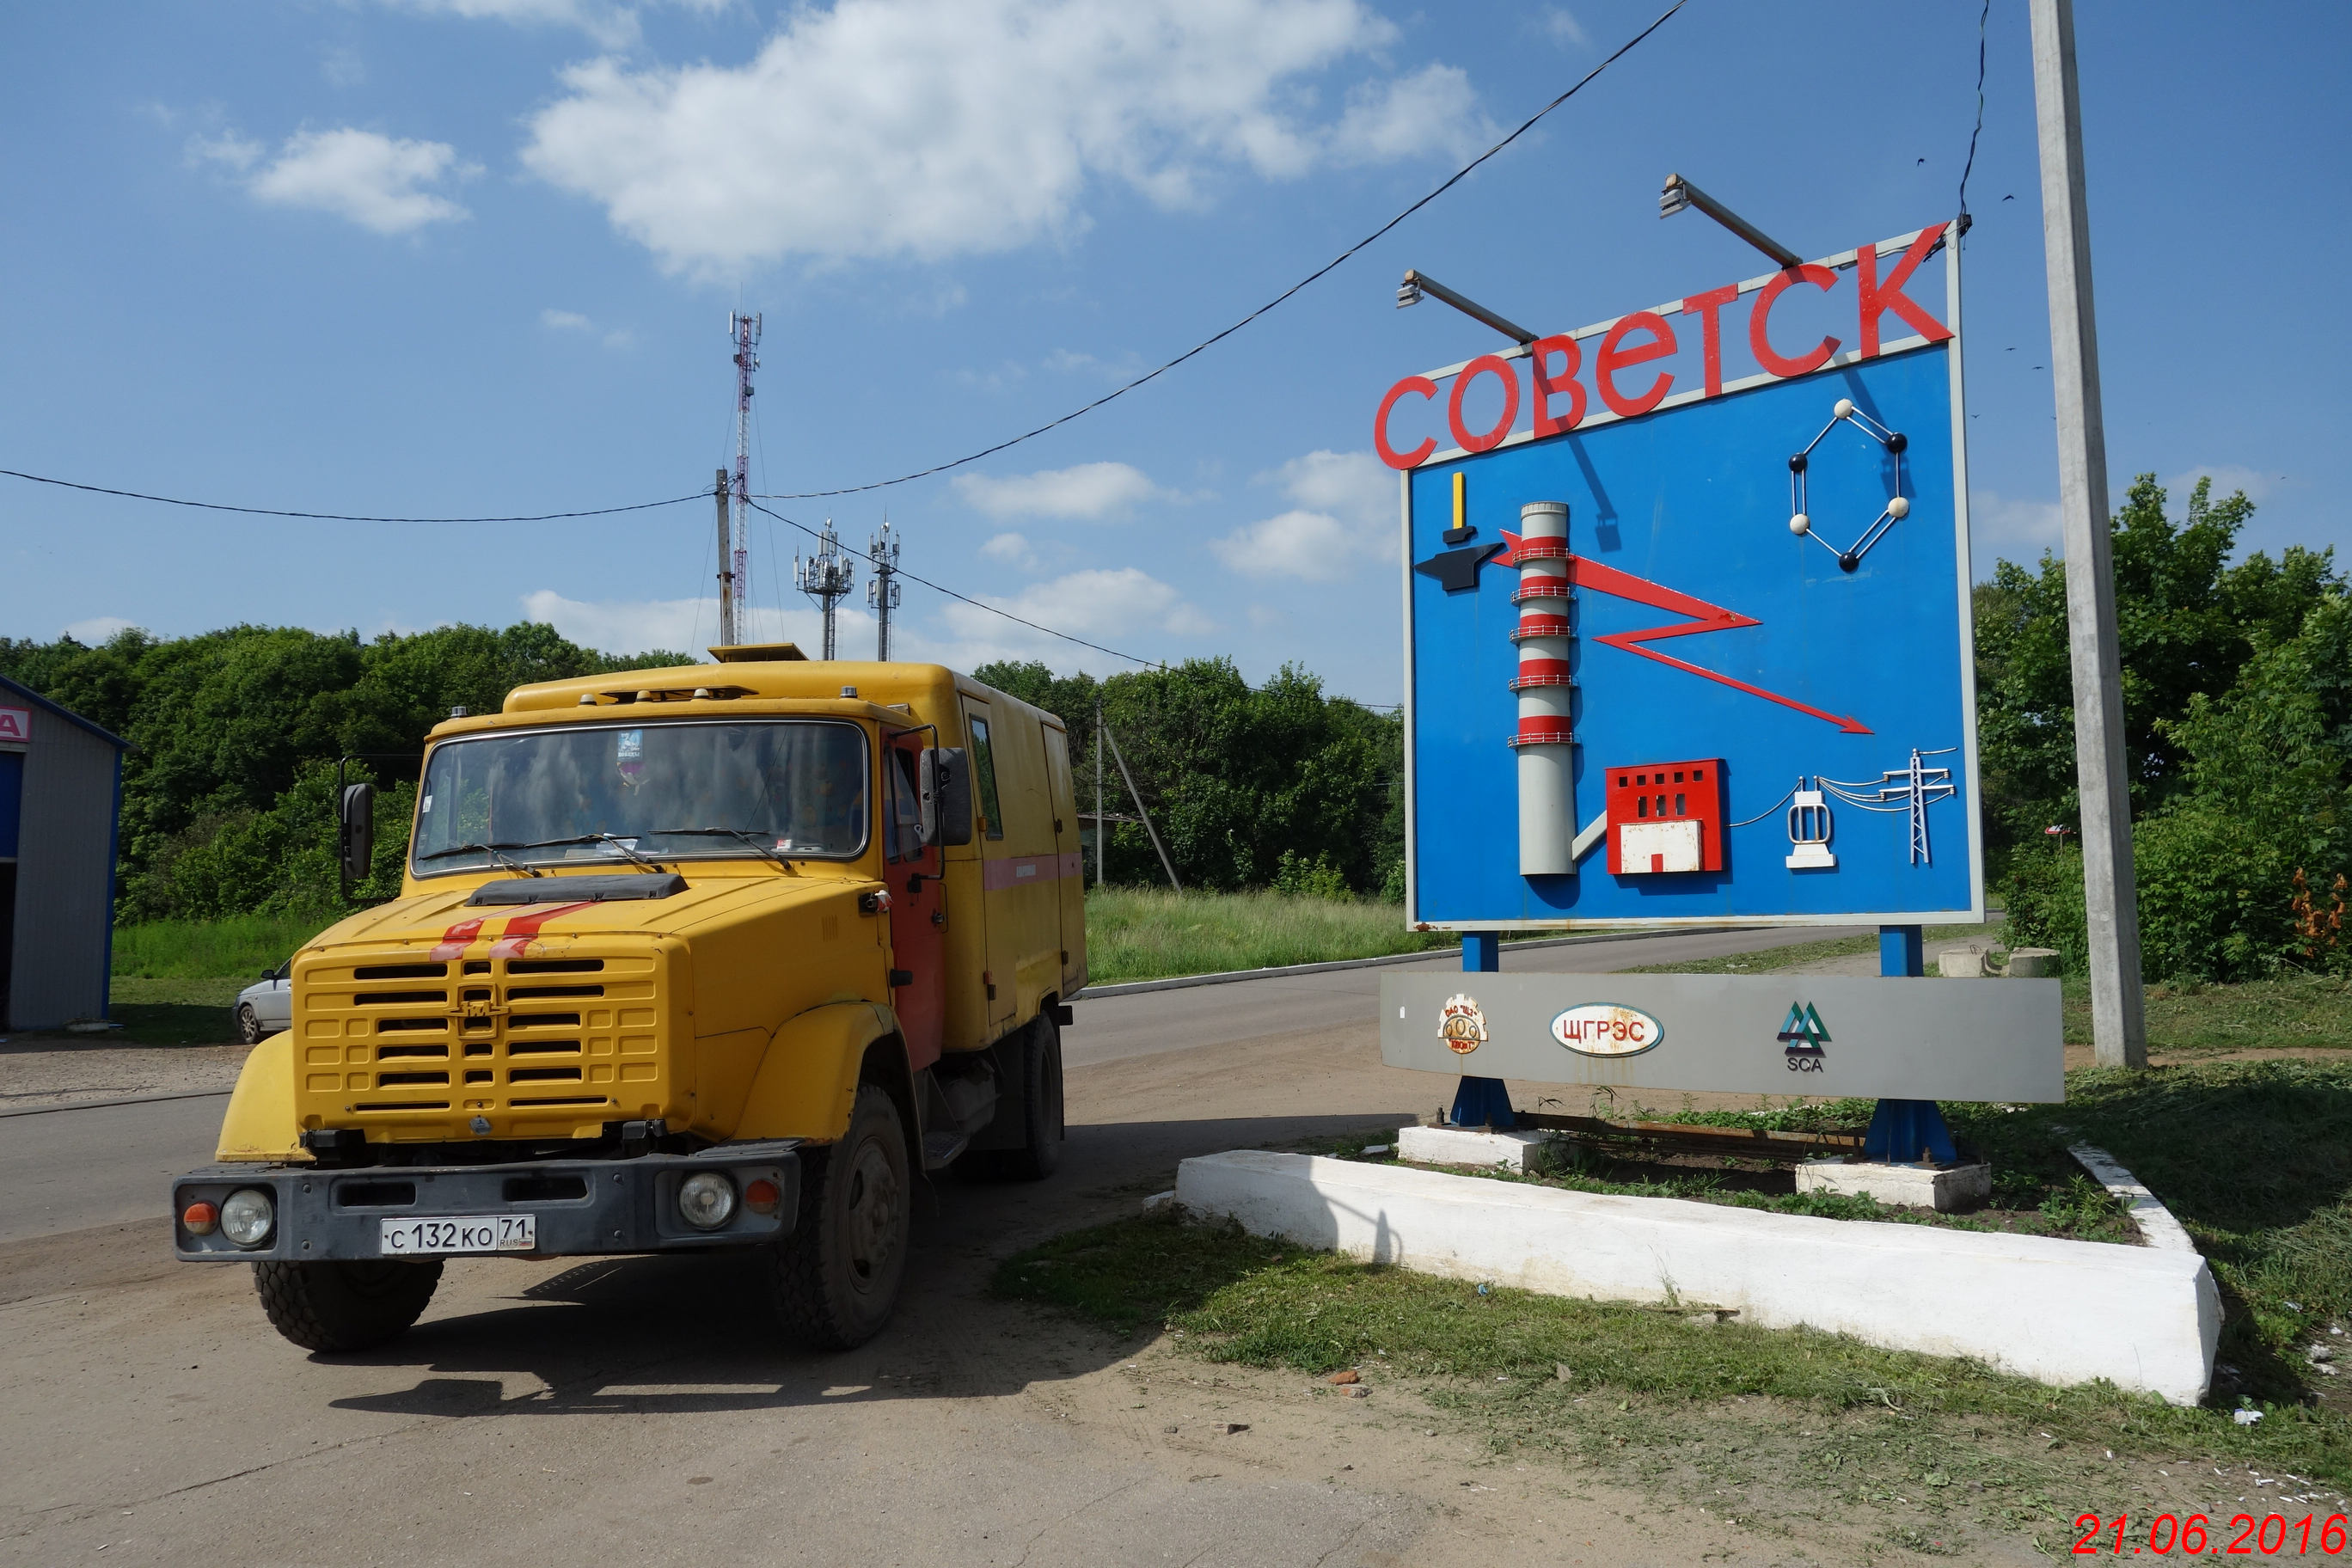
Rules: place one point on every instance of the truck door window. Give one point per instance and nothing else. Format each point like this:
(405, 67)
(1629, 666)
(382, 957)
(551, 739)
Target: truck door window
(902, 814)
(983, 773)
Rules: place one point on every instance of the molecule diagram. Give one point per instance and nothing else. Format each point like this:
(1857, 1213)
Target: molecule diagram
(1899, 506)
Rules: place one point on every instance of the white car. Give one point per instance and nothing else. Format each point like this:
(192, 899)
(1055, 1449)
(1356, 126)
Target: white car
(266, 1006)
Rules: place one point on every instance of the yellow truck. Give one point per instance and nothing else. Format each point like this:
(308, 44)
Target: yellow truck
(724, 956)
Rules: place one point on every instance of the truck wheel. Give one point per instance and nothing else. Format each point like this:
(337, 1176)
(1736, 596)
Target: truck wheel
(836, 1278)
(1040, 1151)
(335, 1306)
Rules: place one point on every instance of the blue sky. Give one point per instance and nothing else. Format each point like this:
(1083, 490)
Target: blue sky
(477, 256)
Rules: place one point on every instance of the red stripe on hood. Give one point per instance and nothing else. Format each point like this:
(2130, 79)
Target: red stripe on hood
(521, 929)
(455, 940)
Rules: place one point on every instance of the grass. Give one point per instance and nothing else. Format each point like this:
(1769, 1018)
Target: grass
(1792, 1412)
(2253, 1156)
(240, 945)
(1141, 933)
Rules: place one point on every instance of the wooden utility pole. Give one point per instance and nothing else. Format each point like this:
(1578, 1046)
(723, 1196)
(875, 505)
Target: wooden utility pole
(2118, 1023)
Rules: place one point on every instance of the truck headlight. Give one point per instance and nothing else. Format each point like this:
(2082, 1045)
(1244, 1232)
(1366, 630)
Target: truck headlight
(706, 1201)
(247, 1217)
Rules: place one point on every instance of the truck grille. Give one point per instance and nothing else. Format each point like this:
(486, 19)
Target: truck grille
(414, 1051)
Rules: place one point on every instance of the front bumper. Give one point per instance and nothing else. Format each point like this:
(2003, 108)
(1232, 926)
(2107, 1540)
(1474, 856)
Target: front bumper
(581, 1207)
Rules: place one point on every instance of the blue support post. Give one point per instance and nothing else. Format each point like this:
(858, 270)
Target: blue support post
(1482, 1101)
(1907, 1131)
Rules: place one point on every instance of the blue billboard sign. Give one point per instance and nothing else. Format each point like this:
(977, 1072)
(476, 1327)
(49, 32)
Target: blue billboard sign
(1698, 656)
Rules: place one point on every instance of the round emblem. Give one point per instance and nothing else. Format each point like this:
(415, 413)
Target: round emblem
(1605, 1029)
(1461, 1026)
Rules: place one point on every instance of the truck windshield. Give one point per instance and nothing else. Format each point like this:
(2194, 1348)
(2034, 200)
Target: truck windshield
(792, 788)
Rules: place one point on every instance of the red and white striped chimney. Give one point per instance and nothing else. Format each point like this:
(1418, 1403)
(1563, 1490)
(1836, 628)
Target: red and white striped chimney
(1546, 736)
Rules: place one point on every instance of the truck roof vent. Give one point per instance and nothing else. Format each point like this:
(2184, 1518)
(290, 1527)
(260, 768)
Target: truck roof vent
(758, 653)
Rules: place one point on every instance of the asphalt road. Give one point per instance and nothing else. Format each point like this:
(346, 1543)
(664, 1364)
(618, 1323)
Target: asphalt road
(645, 1410)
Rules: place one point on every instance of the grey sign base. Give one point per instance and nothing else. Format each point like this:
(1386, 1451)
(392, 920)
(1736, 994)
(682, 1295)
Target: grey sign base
(1869, 1039)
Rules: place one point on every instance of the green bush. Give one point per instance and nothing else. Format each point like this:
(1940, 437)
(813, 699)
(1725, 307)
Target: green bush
(1299, 878)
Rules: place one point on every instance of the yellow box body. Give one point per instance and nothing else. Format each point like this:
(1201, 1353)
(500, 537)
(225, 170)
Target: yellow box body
(741, 1008)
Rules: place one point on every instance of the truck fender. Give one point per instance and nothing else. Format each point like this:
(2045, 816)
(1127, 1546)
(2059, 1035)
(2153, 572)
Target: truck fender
(260, 1123)
(808, 1079)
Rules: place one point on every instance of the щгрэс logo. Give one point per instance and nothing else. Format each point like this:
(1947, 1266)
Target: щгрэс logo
(1803, 1034)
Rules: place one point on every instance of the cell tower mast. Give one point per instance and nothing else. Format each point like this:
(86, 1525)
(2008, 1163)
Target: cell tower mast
(826, 575)
(882, 588)
(735, 575)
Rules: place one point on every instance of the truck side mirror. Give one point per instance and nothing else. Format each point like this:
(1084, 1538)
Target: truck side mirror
(946, 786)
(356, 836)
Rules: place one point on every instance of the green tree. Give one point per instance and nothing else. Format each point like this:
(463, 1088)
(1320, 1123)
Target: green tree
(2187, 621)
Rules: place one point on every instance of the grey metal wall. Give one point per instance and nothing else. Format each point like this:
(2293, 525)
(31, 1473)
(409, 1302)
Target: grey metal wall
(65, 836)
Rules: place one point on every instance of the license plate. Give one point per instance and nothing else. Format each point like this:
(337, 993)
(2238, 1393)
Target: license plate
(464, 1233)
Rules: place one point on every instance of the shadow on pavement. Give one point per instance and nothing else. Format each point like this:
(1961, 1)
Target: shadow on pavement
(691, 1334)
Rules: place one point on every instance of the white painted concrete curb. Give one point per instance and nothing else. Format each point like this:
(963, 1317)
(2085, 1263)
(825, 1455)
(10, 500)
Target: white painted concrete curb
(2062, 1312)
(2156, 1226)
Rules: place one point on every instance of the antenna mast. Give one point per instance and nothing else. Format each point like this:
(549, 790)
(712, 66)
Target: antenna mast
(827, 576)
(735, 573)
(882, 589)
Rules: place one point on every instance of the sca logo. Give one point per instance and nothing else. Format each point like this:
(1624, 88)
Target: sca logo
(1803, 1034)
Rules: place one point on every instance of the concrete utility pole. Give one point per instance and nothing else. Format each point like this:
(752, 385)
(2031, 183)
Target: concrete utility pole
(2118, 1026)
(882, 588)
(1102, 828)
(726, 570)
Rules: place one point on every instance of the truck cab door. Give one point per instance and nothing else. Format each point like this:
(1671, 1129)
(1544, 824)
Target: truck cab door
(917, 904)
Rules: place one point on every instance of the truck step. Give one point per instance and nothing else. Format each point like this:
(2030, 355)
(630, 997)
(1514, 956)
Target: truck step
(940, 1148)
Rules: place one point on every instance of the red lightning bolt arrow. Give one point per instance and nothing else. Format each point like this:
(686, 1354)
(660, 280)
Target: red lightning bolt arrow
(1704, 617)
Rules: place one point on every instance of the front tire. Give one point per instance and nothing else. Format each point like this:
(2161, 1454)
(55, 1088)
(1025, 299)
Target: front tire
(835, 1280)
(339, 1307)
(248, 1025)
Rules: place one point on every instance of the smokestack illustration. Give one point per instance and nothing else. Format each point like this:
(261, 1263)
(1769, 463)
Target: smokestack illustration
(1545, 737)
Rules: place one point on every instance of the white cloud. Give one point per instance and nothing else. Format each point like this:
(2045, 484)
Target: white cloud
(1089, 490)
(1310, 544)
(1010, 547)
(238, 151)
(1432, 109)
(1565, 28)
(2004, 527)
(573, 321)
(378, 181)
(2226, 477)
(341, 66)
(613, 24)
(936, 128)
(1126, 608)
(98, 629)
(1345, 514)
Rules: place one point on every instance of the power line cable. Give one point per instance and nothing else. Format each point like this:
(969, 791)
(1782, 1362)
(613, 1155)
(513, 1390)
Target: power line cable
(1968, 167)
(976, 603)
(343, 517)
(1455, 179)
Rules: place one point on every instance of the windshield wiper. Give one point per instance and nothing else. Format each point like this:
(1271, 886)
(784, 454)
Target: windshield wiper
(618, 843)
(760, 842)
(505, 862)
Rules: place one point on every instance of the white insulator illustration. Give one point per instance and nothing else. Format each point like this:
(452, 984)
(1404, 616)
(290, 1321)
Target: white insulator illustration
(1546, 736)
(1808, 830)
